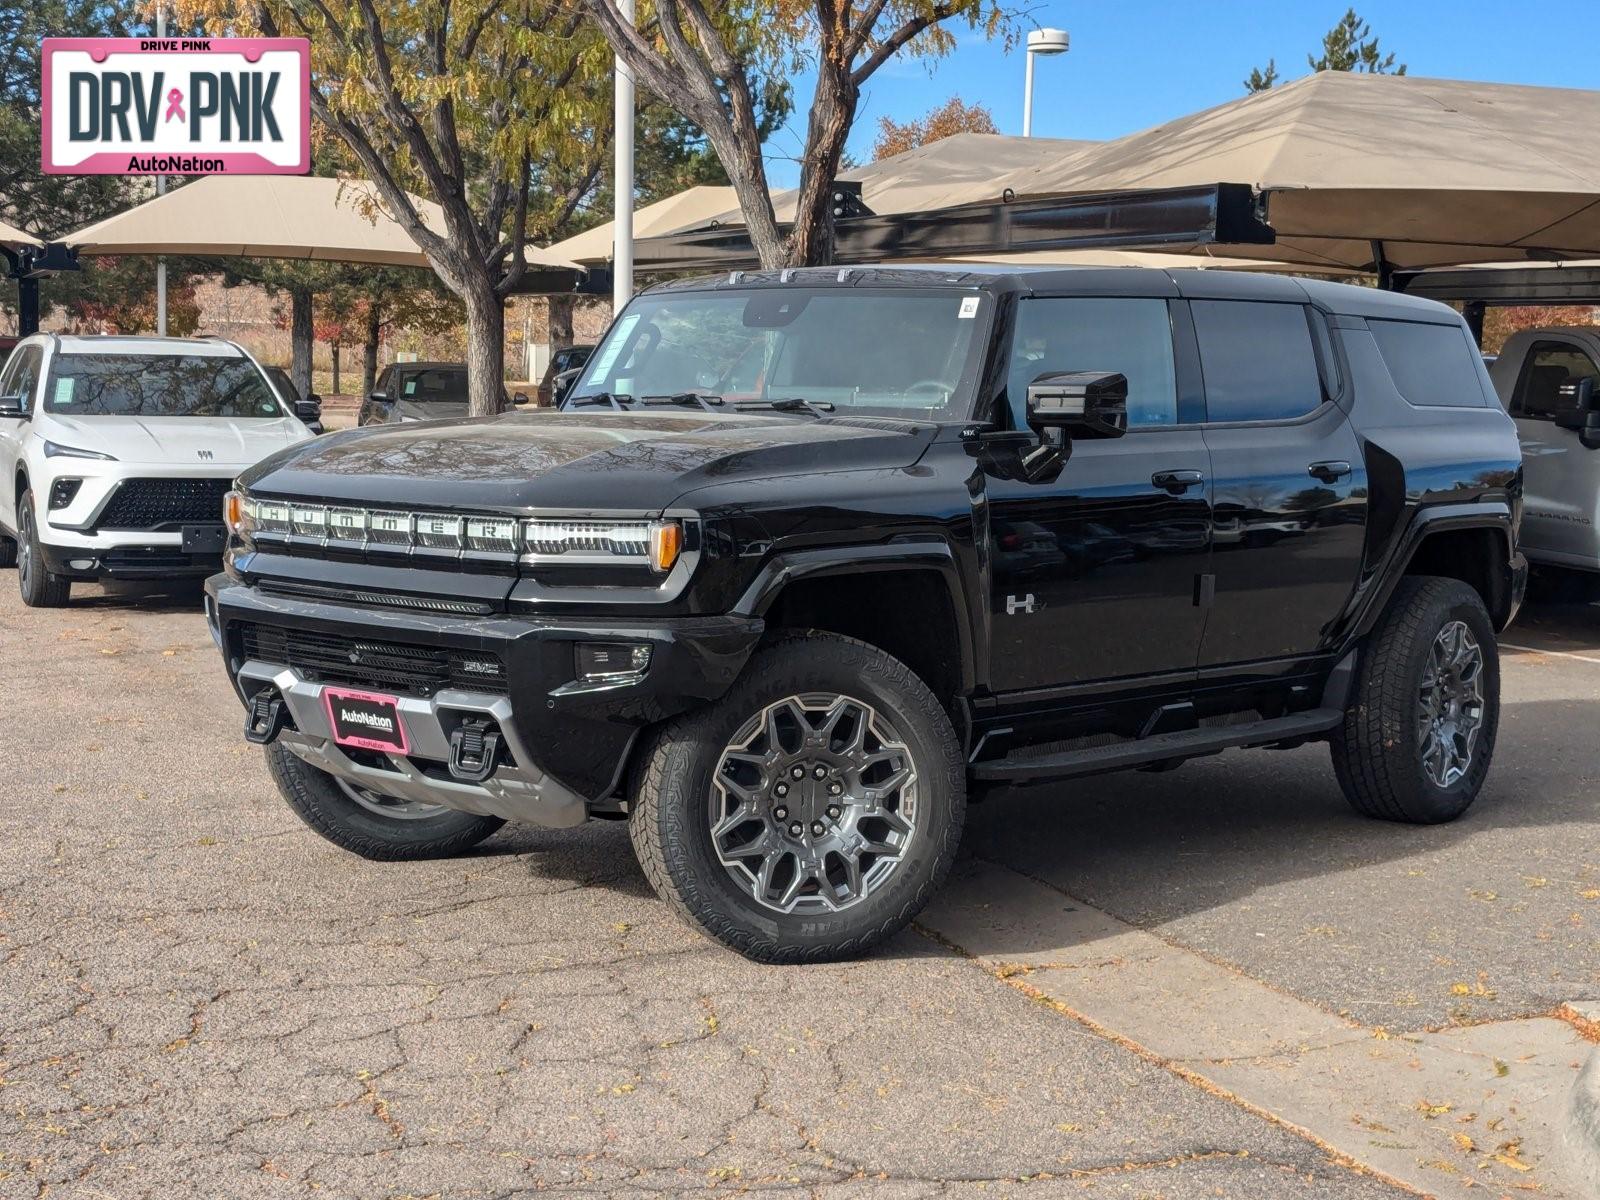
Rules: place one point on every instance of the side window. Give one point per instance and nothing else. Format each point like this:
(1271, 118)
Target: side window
(1133, 336)
(22, 375)
(1549, 365)
(1431, 364)
(385, 377)
(1257, 360)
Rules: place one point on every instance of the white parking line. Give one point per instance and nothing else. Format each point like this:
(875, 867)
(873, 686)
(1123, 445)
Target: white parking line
(1588, 658)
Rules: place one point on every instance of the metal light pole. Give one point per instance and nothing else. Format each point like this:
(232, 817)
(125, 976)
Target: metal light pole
(161, 190)
(1047, 42)
(622, 225)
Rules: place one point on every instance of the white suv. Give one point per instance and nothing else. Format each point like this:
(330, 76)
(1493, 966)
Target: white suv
(115, 453)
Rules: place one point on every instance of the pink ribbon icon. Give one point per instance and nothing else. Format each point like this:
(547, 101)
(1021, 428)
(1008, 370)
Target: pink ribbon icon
(174, 106)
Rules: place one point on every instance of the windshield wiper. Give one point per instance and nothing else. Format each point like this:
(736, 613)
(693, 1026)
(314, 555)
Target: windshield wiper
(817, 408)
(618, 401)
(704, 400)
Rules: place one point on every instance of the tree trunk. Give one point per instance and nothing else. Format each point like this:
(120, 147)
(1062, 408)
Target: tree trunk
(833, 110)
(560, 319)
(301, 339)
(369, 350)
(486, 349)
(335, 350)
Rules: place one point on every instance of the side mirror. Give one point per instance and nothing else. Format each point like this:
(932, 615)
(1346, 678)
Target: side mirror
(1080, 403)
(1574, 407)
(309, 409)
(13, 406)
(379, 397)
(562, 384)
(519, 398)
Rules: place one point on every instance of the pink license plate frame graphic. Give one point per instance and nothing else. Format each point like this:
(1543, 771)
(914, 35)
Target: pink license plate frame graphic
(366, 743)
(229, 162)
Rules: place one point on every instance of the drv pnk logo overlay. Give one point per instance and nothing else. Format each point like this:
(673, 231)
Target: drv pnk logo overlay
(176, 106)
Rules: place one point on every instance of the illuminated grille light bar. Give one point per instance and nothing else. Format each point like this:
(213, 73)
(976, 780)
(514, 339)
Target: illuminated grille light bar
(616, 539)
(542, 538)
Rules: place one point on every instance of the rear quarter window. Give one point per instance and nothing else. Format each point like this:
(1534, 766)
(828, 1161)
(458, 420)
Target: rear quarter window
(1431, 365)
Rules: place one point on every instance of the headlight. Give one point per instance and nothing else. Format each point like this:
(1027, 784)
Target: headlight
(57, 450)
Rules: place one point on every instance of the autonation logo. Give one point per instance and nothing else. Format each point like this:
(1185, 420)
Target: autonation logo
(377, 721)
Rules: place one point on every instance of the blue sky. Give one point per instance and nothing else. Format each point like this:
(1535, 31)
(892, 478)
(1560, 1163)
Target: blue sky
(1136, 63)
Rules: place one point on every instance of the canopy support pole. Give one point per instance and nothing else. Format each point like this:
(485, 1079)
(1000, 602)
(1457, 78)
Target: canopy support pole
(1382, 267)
(1473, 312)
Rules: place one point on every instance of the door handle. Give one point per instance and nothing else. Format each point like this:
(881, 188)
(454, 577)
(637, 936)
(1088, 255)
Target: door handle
(1177, 481)
(1328, 472)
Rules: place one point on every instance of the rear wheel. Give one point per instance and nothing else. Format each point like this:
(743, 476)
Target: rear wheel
(812, 811)
(40, 588)
(1419, 733)
(367, 823)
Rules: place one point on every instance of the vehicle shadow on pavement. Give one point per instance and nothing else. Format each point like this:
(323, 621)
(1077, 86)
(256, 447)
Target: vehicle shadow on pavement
(156, 596)
(1269, 835)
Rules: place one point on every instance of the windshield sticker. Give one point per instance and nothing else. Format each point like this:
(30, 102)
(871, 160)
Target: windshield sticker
(614, 344)
(63, 393)
(969, 308)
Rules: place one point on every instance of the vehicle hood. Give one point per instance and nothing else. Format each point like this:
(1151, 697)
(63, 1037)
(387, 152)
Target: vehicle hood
(577, 460)
(178, 441)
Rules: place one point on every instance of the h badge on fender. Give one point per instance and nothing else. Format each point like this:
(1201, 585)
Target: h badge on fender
(1015, 606)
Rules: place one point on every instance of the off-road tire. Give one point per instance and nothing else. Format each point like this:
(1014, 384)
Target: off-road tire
(672, 781)
(322, 804)
(40, 588)
(1375, 751)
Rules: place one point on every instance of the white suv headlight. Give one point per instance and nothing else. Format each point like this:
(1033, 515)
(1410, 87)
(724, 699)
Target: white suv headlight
(57, 450)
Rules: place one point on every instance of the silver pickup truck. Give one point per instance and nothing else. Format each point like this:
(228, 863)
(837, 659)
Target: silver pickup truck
(1549, 380)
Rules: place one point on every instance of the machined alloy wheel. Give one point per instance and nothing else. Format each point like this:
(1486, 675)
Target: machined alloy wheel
(40, 587)
(389, 806)
(1450, 704)
(25, 566)
(814, 803)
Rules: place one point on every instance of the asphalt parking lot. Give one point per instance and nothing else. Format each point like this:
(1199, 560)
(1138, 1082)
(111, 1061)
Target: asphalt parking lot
(1212, 982)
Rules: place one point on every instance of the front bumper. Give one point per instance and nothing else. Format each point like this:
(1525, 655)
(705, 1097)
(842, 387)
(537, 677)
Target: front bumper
(567, 743)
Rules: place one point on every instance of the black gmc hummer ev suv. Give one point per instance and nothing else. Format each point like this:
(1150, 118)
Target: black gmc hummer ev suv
(807, 559)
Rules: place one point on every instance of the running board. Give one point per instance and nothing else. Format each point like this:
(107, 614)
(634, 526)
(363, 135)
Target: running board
(1157, 748)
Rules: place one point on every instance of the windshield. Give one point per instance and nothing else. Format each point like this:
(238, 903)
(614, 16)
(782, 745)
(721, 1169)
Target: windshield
(158, 385)
(435, 385)
(898, 352)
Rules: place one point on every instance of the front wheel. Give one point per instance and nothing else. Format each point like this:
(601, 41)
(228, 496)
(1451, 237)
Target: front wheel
(40, 587)
(812, 811)
(369, 824)
(1419, 733)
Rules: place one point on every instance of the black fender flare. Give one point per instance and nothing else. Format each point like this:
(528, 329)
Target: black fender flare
(929, 554)
(1493, 515)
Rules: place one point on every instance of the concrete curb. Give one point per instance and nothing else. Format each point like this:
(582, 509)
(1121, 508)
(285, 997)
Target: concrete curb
(1582, 1131)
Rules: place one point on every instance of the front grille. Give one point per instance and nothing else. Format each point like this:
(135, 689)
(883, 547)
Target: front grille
(368, 662)
(159, 503)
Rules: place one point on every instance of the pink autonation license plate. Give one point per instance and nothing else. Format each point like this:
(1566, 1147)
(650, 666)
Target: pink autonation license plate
(366, 720)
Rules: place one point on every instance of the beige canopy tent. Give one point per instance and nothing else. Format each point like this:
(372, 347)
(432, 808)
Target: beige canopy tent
(14, 239)
(1425, 171)
(953, 170)
(271, 216)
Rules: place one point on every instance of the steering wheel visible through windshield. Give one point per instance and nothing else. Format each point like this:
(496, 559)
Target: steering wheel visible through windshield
(899, 352)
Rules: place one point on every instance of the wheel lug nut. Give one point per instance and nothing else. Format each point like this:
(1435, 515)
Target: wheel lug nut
(798, 772)
(781, 789)
(833, 812)
(796, 829)
(835, 788)
(781, 813)
(816, 829)
(820, 773)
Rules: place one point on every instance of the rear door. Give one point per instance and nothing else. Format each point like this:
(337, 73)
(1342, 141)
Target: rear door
(1561, 478)
(1094, 573)
(1288, 485)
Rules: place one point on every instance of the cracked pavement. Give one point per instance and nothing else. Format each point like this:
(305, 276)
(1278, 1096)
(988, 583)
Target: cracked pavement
(199, 997)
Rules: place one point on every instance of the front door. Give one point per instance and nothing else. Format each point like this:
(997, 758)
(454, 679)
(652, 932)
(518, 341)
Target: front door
(1561, 477)
(20, 378)
(1289, 488)
(1094, 574)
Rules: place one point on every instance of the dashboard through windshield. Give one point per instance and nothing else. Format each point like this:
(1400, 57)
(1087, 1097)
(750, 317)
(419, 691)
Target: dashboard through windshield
(902, 352)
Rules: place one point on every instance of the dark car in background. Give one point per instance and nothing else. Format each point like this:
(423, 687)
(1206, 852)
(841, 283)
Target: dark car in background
(307, 408)
(420, 391)
(568, 358)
